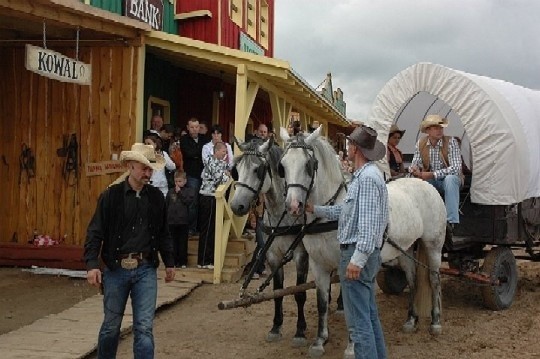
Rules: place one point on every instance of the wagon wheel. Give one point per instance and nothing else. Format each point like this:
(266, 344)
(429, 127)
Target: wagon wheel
(500, 264)
(391, 280)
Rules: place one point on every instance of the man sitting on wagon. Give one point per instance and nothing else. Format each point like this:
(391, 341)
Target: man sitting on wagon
(437, 159)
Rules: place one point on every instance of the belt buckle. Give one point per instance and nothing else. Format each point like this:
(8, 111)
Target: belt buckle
(129, 262)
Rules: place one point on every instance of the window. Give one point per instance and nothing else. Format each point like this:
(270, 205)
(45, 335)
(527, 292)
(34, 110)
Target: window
(236, 11)
(157, 106)
(263, 25)
(251, 27)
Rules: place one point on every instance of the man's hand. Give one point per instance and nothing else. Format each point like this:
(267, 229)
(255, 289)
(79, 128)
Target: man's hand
(309, 207)
(353, 272)
(93, 276)
(169, 274)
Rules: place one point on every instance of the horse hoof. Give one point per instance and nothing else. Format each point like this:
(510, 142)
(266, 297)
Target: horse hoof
(349, 352)
(409, 328)
(435, 329)
(316, 351)
(273, 337)
(299, 342)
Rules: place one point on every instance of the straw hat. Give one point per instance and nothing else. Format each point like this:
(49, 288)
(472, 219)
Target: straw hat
(144, 154)
(366, 139)
(433, 120)
(395, 129)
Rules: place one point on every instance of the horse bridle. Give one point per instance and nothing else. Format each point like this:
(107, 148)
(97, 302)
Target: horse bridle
(311, 164)
(260, 174)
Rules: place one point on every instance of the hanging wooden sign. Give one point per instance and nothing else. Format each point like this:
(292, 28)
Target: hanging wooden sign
(105, 167)
(56, 66)
(148, 11)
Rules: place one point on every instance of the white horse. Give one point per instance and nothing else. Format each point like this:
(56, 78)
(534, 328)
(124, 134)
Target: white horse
(312, 173)
(257, 173)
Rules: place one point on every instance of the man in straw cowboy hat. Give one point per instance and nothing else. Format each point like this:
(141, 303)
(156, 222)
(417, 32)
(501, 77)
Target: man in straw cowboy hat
(362, 220)
(127, 230)
(437, 159)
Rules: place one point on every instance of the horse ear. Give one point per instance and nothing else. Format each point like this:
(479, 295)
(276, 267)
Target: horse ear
(284, 134)
(265, 146)
(315, 134)
(241, 146)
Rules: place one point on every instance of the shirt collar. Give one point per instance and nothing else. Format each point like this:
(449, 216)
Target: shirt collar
(357, 173)
(127, 187)
(439, 143)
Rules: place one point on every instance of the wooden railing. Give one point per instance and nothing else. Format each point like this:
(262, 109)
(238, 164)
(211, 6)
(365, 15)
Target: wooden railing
(228, 225)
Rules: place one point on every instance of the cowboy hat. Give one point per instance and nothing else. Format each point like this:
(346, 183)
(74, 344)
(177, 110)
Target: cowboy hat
(144, 154)
(365, 138)
(395, 129)
(433, 120)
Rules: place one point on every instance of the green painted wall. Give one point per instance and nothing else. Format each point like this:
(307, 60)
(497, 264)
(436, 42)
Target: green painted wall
(115, 6)
(160, 80)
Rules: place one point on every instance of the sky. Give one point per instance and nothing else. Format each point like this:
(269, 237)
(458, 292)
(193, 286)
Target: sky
(364, 43)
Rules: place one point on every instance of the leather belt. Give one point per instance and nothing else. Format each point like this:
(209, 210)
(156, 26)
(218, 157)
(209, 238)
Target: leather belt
(345, 246)
(136, 255)
(133, 260)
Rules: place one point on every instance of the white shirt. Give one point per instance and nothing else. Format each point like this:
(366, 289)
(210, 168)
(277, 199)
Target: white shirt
(208, 151)
(158, 178)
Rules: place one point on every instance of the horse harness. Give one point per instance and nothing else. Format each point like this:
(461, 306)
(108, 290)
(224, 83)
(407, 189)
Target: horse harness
(312, 165)
(261, 172)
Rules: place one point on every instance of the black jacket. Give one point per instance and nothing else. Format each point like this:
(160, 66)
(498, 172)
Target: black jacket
(104, 234)
(192, 154)
(178, 205)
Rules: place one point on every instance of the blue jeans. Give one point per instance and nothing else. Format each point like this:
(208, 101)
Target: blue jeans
(194, 182)
(449, 188)
(141, 285)
(360, 307)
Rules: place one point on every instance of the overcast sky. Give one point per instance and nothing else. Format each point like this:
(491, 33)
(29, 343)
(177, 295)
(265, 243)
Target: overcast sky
(364, 43)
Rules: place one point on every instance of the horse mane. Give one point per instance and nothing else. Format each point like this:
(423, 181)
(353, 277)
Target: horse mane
(329, 174)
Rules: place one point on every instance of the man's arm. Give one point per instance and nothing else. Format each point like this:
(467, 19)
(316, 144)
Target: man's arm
(95, 233)
(417, 159)
(330, 212)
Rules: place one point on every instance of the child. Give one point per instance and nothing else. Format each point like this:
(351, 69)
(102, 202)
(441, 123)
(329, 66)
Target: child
(214, 173)
(178, 200)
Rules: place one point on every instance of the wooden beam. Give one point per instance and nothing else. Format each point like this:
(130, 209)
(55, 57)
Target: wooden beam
(139, 120)
(72, 13)
(193, 14)
(240, 119)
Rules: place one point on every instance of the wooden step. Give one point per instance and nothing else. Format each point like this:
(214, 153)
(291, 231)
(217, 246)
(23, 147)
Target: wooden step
(231, 275)
(231, 259)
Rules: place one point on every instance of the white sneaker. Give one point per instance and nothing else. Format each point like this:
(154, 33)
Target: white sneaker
(183, 267)
(256, 276)
(210, 266)
(200, 266)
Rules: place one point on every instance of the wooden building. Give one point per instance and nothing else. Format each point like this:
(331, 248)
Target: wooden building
(51, 187)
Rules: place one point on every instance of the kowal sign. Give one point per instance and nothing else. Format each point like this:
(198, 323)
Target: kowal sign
(56, 66)
(148, 11)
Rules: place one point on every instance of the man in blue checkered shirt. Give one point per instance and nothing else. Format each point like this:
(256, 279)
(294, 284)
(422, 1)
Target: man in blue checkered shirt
(437, 159)
(362, 219)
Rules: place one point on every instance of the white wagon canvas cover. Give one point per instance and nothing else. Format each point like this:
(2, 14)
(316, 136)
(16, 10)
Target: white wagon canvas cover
(498, 121)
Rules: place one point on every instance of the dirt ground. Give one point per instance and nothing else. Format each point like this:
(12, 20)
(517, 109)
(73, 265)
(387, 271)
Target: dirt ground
(195, 328)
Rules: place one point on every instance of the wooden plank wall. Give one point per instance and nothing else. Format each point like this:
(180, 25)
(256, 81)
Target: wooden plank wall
(38, 112)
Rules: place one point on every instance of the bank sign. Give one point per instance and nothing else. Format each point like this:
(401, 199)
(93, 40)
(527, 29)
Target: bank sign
(148, 11)
(56, 66)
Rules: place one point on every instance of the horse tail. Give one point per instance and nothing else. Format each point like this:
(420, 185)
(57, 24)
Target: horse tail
(423, 296)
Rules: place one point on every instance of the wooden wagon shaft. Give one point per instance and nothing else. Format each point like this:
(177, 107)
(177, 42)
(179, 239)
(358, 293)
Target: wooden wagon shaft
(262, 297)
